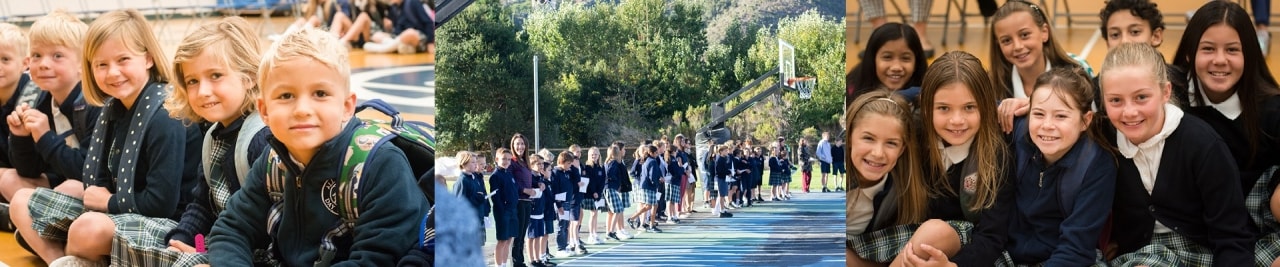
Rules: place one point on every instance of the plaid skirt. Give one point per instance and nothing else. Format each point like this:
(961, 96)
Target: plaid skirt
(883, 245)
(589, 204)
(672, 192)
(615, 201)
(53, 212)
(139, 241)
(1167, 249)
(1267, 249)
(777, 178)
(648, 196)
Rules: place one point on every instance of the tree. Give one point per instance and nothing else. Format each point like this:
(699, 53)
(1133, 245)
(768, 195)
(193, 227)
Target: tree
(484, 80)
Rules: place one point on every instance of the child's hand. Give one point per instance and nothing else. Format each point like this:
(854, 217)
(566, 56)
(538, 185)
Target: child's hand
(1010, 108)
(936, 256)
(96, 198)
(36, 122)
(14, 120)
(175, 245)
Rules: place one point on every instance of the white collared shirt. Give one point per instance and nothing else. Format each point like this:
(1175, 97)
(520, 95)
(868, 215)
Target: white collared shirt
(1018, 90)
(1146, 156)
(955, 154)
(862, 207)
(1229, 108)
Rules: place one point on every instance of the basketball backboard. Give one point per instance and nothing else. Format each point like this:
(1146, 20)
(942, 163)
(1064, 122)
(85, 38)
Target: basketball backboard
(786, 62)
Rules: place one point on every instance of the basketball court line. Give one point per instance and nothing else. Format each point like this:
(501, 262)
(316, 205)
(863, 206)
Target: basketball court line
(1088, 46)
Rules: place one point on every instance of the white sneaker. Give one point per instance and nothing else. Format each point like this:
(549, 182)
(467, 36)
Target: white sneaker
(1264, 39)
(623, 235)
(597, 239)
(562, 254)
(73, 261)
(592, 240)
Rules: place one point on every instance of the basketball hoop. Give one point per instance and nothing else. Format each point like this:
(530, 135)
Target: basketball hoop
(804, 85)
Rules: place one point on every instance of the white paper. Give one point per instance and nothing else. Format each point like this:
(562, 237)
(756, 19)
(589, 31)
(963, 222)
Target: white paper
(488, 222)
(659, 196)
(600, 203)
(536, 194)
(495, 191)
(561, 196)
(582, 184)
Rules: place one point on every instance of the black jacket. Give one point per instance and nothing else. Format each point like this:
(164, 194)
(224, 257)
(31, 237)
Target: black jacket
(52, 155)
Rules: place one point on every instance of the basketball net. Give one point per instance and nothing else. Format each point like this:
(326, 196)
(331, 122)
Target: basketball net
(804, 85)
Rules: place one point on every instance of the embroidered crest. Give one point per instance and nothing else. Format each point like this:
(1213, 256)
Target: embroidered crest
(329, 195)
(365, 142)
(971, 183)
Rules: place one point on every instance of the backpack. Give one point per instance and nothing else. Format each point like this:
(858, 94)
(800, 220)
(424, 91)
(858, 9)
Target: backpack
(412, 137)
(248, 129)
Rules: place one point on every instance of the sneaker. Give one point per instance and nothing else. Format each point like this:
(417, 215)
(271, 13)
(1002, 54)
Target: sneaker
(73, 261)
(573, 252)
(613, 236)
(1264, 39)
(582, 250)
(633, 223)
(5, 224)
(548, 263)
(623, 236)
(655, 229)
(562, 254)
(537, 264)
(839, 189)
(593, 240)
(825, 190)
(597, 239)
(726, 215)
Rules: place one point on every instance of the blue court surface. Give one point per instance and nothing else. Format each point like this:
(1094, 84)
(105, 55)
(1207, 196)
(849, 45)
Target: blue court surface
(411, 89)
(807, 230)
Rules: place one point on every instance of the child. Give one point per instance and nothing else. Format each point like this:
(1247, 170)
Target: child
(824, 159)
(1059, 158)
(470, 187)
(54, 51)
(1132, 21)
(1022, 47)
(837, 164)
(777, 172)
(542, 175)
(505, 194)
(565, 186)
(536, 234)
(1196, 214)
(137, 182)
(805, 157)
(898, 63)
(368, 18)
(307, 105)
(722, 168)
(757, 173)
(413, 30)
(594, 201)
(674, 173)
(615, 175)
(1243, 106)
(967, 167)
(881, 133)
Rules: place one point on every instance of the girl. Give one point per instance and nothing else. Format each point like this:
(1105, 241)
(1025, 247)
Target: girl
(722, 168)
(537, 232)
(1058, 159)
(806, 165)
(505, 194)
(615, 173)
(967, 167)
(594, 170)
(470, 187)
(136, 178)
(1022, 47)
(674, 173)
(885, 165)
(777, 173)
(1172, 207)
(1242, 106)
(550, 209)
(898, 63)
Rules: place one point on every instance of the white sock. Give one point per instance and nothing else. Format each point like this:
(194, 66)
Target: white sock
(384, 47)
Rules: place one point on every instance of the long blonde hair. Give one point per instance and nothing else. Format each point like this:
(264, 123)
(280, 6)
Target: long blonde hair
(989, 150)
(235, 45)
(913, 203)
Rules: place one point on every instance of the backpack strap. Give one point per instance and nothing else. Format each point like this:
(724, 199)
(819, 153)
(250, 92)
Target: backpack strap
(366, 139)
(248, 130)
(274, 181)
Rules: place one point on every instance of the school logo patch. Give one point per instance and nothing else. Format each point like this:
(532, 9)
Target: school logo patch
(329, 195)
(971, 183)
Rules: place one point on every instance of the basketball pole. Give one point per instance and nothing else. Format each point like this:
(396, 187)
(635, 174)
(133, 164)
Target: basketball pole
(536, 134)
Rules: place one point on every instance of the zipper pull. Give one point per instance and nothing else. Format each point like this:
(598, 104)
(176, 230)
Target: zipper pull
(1041, 179)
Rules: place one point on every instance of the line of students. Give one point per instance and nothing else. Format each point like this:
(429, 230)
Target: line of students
(115, 171)
(377, 26)
(1138, 184)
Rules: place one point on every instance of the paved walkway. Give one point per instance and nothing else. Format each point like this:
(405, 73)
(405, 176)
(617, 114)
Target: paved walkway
(805, 231)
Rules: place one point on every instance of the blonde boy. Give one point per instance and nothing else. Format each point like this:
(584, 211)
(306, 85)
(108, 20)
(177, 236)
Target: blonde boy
(309, 108)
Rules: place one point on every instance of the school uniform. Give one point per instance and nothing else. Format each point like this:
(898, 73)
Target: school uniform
(615, 174)
(777, 171)
(1173, 206)
(984, 232)
(537, 225)
(412, 14)
(1015, 80)
(837, 160)
(1041, 229)
(595, 188)
(25, 92)
(140, 156)
(469, 187)
(757, 172)
(548, 203)
(212, 194)
(674, 172)
(1257, 163)
(870, 227)
(723, 167)
(651, 173)
(504, 189)
(58, 155)
(389, 205)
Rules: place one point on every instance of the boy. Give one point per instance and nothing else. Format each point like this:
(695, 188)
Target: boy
(16, 89)
(309, 108)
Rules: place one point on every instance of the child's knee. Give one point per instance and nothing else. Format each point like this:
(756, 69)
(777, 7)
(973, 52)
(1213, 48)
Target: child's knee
(92, 226)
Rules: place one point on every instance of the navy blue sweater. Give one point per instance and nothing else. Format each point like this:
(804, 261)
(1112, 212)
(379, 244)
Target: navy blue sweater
(990, 231)
(615, 174)
(504, 201)
(471, 188)
(53, 156)
(1040, 231)
(595, 189)
(651, 173)
(200, 213)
